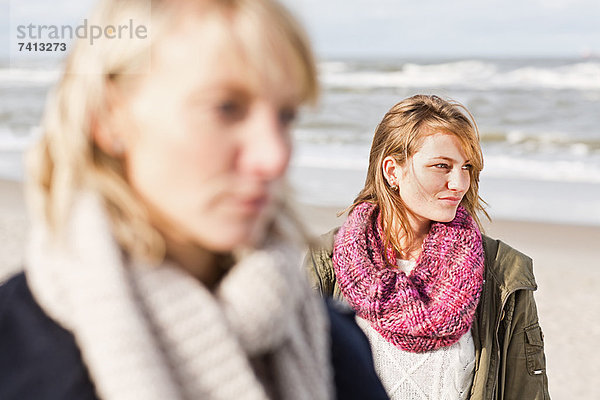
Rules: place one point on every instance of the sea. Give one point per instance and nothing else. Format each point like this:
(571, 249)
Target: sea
(539, 121)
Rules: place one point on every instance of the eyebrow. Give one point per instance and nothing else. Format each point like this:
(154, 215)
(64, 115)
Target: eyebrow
(239, 91)
(447, 159)
(216, 90)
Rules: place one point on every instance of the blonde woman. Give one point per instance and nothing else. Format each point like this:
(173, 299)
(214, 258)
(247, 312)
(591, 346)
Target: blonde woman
(448, 311)
(162, 263)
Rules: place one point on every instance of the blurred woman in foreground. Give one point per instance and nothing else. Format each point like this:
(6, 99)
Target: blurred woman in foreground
(162, 263)
(449, 312)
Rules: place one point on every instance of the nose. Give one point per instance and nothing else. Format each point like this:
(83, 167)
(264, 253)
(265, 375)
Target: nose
(267, 148)
(459, 180)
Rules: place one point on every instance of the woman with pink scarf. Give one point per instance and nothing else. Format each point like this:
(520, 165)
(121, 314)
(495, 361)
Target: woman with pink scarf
(449, 312)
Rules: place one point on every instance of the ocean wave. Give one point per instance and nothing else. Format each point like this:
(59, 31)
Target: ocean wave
(11, 143)
(474, 74)
(28, 76)
(495, 166)
(575, 76)
(557, 170)
(573, 163)
(541, 142)
(358, 142)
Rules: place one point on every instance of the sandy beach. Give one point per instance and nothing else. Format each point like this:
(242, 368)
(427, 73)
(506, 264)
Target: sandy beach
(14, 226)
(566, 261)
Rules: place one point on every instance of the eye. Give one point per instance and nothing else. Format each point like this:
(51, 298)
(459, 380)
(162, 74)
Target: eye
(231, 109)
(467, 167)
(442, 166)
(287, 115)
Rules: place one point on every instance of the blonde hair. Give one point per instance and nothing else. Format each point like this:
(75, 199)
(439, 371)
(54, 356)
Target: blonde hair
(67, 160)
(400, 134)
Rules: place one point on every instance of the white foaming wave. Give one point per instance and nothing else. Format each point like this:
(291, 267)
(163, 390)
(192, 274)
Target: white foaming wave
(561, 170)
(331, 156)
(548, 141)
(412, 75)
(9, 142)
(468, 73)
(28, 76)
(575, 76)
(569, 168)
(330, 163)
(326, 67)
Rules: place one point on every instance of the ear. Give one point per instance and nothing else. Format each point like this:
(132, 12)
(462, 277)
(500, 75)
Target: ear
(391, 170)
(107, 127)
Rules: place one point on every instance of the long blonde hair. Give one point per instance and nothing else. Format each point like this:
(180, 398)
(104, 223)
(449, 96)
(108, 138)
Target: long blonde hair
(67, 160)
(400, 135)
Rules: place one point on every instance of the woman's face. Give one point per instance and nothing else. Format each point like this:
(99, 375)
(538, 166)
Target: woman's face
(434, 180)
(203, 147)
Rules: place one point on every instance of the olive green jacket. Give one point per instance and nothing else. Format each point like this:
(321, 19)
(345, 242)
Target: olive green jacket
(509, 344)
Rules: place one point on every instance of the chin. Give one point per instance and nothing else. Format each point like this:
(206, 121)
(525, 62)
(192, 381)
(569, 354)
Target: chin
(228, 242)
(446, 216)
(233, 236)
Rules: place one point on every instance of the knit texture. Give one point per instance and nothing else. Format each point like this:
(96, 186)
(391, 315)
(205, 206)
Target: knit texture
(443, 374)
(155, 332)
(428, 309)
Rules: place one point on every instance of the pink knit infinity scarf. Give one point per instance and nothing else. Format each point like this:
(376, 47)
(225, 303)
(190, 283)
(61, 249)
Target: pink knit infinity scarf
(433, 306)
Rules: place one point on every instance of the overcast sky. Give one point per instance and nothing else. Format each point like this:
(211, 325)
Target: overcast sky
(399, 28)
(449, 28)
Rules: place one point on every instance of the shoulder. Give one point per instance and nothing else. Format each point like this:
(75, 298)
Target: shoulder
(354, 371)
(323, 245)
(17, 306)
(318, 263)
(16, 301)
(509, 267)
(35, 348)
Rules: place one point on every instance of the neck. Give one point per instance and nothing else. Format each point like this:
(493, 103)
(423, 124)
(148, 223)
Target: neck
(206, 266)
(411, 249)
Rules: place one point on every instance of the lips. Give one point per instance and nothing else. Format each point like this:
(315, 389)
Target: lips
(257, 202)
(451, 200)
(250, 204)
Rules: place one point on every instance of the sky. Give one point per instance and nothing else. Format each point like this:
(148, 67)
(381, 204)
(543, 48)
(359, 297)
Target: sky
(400, 28)
(442, 28)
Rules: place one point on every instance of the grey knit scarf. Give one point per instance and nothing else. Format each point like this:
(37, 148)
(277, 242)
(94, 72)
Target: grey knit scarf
(154, 332)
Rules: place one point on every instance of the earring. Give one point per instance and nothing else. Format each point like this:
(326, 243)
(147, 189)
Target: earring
(393, 186)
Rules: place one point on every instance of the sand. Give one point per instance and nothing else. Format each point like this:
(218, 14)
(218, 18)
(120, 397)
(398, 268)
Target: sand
(14, 226)
(567, 269)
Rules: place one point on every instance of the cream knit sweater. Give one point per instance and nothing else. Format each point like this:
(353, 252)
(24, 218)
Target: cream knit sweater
(443, 374)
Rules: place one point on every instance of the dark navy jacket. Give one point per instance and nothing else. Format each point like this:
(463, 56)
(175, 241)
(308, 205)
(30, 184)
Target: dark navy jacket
(39, 360)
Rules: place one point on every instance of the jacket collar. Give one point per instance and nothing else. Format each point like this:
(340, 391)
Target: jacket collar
(511, 269)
